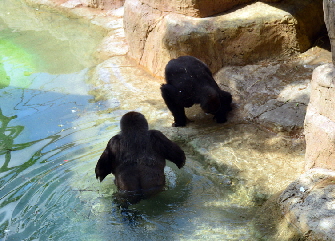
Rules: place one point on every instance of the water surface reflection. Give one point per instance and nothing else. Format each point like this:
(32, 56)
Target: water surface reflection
(48, 124)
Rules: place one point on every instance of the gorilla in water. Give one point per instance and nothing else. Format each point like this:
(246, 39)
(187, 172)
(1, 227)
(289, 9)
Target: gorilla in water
(189, 81)
(136, 157)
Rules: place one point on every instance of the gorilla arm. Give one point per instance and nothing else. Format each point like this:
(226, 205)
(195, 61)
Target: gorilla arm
(167, 149)
(107, 162)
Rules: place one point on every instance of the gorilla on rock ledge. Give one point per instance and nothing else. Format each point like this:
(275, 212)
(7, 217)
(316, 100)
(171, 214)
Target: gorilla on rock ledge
(189, 81)
(136, 157)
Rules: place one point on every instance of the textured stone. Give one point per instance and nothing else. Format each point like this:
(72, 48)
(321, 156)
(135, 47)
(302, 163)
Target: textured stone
(309, 204)
(197, 8)
(103, 4)
(329, 15)
(320, 140)
(320, 120)
(255, 32)
(323, 89)
(275, 95)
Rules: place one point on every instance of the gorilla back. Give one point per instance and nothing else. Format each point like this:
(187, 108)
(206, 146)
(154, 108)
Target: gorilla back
(137, 157)
(189, 81)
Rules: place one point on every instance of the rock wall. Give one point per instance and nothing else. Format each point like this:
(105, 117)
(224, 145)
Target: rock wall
(320, 120)
(320, 116)
(308, 204)
(329, 10)
(197, 8)
(251, 33)
(274, 95)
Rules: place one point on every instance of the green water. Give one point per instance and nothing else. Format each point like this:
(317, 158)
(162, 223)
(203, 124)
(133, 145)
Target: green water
(52, 132)
(47, 121)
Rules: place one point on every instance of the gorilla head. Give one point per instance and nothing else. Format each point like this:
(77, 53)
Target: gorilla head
(133, 122)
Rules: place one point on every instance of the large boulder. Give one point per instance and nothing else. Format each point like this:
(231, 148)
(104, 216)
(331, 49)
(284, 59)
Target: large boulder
(309, 204)
(246, 35)
(320, 120)
(274, 95)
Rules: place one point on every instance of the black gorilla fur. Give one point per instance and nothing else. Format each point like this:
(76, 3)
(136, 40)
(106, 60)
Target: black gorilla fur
(136, 156)
(189, 81)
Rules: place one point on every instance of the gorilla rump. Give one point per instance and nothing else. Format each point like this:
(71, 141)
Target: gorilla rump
(189, 81)
(136, 157)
